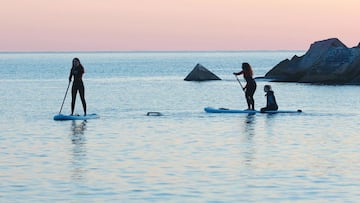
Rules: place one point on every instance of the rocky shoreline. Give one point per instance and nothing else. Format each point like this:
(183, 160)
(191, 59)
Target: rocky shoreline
(328, 61)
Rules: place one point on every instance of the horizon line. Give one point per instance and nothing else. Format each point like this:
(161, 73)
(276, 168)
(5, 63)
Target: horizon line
(154, 51)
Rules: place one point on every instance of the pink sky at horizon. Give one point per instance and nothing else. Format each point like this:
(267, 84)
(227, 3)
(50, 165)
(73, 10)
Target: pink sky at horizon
(156, 25)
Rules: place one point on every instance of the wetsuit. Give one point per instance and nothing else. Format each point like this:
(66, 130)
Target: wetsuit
(250, 91)
(78, 85)
(271, 104)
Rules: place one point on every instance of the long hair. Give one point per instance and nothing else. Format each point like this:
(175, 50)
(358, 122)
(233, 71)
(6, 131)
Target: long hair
(78, 60)
(247, 70)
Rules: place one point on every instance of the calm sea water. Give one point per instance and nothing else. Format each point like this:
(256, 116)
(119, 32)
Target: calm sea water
(186, 155)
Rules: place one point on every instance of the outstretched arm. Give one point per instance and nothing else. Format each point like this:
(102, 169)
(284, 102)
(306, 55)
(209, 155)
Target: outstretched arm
(238, 73)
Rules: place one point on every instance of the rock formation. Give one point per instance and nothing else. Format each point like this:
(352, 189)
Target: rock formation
(328, 61)
(200, 73)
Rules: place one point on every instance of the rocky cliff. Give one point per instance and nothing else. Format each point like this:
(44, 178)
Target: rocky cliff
(328, 61)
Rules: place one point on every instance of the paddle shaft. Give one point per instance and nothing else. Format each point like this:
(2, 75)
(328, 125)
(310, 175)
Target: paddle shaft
(242, 87)
(67, 89)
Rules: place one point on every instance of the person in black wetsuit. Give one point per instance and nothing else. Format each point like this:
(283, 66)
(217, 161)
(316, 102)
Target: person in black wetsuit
(250, 86)
(77, 72)
(271, 104)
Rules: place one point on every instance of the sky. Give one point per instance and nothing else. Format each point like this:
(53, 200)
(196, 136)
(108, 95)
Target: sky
(175, 25)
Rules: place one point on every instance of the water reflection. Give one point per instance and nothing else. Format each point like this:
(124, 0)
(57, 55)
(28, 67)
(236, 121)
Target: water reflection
(269, 124)
(249, 132)
(79, 150)
(250, 125)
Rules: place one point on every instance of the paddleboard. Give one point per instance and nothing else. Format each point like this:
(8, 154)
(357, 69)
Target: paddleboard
(226, 110)
(62, 117)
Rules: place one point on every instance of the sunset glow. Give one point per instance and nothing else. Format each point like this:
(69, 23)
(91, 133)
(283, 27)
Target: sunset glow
(125, 25)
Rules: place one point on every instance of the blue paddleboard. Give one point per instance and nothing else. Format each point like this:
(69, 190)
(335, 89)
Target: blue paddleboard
(61, 117)
(225, 110)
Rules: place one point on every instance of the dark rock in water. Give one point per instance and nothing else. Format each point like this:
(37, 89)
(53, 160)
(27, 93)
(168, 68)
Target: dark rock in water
(200, 73)
(327, 61)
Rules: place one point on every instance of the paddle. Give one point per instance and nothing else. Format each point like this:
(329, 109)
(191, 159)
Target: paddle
(65, 97)
(242, 87)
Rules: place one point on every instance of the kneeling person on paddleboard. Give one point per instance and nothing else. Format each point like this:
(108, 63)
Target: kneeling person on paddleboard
(77, 72)
(271, 104)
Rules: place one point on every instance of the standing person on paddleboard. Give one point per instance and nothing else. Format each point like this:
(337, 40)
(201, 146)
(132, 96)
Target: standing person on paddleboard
(250, 86)
(77, 72)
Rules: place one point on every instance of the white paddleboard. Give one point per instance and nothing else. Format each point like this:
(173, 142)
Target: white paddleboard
(62, 117)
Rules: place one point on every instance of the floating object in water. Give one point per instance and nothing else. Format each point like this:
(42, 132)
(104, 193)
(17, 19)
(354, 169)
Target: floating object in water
(153, 113)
